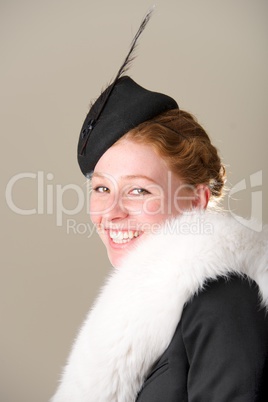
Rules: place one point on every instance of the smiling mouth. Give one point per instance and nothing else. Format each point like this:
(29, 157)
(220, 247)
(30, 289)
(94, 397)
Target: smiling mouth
(122, 237)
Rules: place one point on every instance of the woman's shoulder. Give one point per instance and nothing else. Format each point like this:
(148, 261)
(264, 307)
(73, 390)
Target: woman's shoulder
(229, 291)
(230, 313)
(232, 297)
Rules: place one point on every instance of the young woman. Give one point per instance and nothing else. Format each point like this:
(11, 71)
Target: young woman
(183, 316)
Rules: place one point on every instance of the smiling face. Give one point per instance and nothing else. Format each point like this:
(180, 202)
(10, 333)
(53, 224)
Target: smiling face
(133, 192)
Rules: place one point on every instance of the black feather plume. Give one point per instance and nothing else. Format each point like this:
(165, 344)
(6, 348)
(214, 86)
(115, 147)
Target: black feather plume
(124, 67)
(130, 56)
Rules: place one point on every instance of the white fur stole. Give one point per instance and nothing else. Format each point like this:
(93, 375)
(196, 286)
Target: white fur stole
(139, 308)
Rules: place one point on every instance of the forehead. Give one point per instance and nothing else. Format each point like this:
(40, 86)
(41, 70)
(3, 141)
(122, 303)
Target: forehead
(129, 158)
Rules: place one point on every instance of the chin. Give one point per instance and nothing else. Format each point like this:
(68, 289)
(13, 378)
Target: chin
(116, 260)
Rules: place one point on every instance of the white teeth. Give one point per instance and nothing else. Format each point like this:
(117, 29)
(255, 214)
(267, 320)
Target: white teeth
(123, 236)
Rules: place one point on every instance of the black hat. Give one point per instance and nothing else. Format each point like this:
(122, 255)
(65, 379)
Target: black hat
(127, 106)
(120, 108)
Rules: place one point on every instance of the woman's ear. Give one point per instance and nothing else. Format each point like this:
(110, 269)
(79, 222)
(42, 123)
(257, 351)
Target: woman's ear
(202, 196)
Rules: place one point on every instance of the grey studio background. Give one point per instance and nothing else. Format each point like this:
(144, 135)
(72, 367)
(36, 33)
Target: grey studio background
(56, 56)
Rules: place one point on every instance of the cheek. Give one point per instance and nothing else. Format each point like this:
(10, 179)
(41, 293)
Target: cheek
(96, 218)
(153, 211)
(94, 210)
(153, 207)
(182, 202)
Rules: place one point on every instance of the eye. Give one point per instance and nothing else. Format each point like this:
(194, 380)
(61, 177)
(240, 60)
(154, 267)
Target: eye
(139, 191)
(101, 189)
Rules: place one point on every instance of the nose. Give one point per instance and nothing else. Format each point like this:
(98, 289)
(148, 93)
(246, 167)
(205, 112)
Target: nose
(116, 211)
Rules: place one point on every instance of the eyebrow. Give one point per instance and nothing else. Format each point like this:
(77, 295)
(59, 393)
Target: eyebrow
(128, 177)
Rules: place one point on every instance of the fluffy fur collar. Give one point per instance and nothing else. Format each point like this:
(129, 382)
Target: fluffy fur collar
(138, 310)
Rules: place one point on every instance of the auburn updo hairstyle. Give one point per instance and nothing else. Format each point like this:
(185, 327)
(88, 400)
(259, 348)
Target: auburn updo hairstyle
(185, 146)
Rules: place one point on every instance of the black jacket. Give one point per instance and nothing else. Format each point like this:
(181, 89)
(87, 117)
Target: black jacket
(219, 352)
